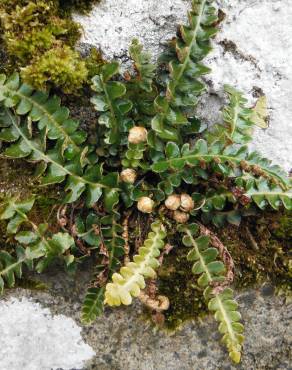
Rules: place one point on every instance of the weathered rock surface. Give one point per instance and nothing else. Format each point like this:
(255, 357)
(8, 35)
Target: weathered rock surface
(253, 52)
(122, 339)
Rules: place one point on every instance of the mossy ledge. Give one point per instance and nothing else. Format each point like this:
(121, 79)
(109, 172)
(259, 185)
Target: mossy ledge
(261, 250)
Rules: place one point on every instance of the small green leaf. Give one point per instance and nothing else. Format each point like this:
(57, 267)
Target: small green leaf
(172, 150)
(109, 70)
(26, 237)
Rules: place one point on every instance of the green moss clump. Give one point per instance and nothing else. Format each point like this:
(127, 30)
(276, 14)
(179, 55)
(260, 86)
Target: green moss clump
(81, 6)
(94, 62)
(282, 228)
(56, 67)
(265, 258)
(177, 282)
(39, 41)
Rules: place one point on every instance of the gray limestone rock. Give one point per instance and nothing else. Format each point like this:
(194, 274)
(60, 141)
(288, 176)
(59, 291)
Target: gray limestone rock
(123, 339)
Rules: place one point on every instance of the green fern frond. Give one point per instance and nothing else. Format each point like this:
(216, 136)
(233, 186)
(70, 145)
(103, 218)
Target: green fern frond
(130, 280)
(191, 47)
(110, 101)
(44, 110)
(183, 59)
(225, 311)
(264, 194)
(143, 67)
(237, 124)
(11, 267)
(81, 177)
(112, 237)
(211, 272)
(142, 88)
(35, 243)
(109, 237)
(92, 305)
(223, 161)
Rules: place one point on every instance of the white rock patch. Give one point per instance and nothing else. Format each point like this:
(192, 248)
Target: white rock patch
(32, 339)
(113, 24)
(260, 30)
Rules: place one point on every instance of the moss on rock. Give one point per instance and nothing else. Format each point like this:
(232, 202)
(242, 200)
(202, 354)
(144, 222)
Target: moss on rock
(80, 6)
(39, 37)
(60, 67)
(16, 180)
(261, 250)
(177, 282)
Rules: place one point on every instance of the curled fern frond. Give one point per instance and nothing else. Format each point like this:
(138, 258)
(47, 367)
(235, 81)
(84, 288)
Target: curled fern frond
(130, 280)
(211, 272)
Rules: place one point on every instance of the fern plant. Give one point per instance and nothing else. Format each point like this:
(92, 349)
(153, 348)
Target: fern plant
(153, 174)
(221, 301)
(35, 242)
(130, 280)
